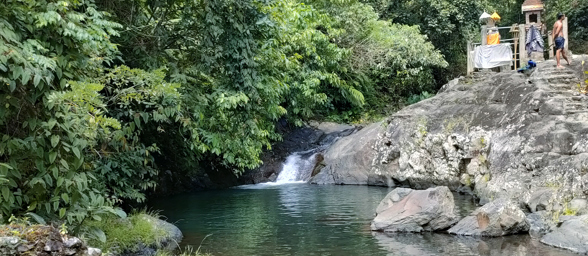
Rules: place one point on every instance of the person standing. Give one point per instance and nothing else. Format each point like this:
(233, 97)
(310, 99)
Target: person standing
(559, 40)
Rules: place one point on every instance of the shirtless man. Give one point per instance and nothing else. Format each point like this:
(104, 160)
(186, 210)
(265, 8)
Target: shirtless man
(559, 40)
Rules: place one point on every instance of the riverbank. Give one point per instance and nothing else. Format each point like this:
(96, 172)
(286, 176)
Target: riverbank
(139, 234)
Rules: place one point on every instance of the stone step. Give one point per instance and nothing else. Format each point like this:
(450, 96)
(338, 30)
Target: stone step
(575, 111)
(575, 105)
(555, 93)
(557, 71)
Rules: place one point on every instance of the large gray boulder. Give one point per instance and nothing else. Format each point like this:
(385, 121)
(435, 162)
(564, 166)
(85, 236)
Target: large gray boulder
(499, 135)
(497, 218)
(418, 211)
(571, 235)
(349, 159)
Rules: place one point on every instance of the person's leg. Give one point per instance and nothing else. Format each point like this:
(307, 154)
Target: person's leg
(557, 53)
(565, 56)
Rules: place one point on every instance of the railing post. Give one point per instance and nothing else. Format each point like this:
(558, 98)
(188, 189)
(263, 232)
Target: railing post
(470, 59)
(565, 34)
(550, 43)
(484, 36)
(522, 45)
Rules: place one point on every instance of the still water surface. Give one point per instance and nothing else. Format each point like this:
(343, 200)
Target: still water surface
(303, 219)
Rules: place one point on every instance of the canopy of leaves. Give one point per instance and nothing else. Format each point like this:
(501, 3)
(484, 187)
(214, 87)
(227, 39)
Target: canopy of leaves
(80, 132)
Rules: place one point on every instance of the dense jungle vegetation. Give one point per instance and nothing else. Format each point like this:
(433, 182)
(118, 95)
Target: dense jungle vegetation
(99, 96)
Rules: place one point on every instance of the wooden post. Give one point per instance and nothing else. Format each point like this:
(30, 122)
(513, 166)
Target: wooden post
(470, 59)
(516, 40)
(484, 36)
(565, 33)
(522, 45)
(550, 43)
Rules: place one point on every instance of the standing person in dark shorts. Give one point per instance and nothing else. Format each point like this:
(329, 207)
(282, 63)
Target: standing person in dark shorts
(559, 40)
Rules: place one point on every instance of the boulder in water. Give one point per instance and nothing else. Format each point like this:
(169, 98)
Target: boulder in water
(418, 211)
(571, 235)
(497, 218)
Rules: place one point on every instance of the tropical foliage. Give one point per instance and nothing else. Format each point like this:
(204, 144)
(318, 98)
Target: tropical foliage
(99, 98)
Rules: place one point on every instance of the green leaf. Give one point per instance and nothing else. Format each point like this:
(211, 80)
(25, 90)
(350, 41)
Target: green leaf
(54, 140)
(52, 156)
(61, 213)
(120, 212)
(5, 193)
(37, 218)
(55, 171)
(65, 197)
(76, 152)
(36, 80)
(99, 234)
(64, 163)
(26, 76)
(6, 166)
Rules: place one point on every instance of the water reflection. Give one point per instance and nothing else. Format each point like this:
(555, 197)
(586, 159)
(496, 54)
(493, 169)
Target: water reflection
(302, 219)
(434, 244)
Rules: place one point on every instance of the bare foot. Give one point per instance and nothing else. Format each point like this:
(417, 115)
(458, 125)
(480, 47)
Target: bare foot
(560, 66)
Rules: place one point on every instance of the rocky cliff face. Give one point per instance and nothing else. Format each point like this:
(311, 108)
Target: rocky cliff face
(494, 135)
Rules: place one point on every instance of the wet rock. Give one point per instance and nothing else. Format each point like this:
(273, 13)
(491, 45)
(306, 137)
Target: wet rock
(571, 235)
(420, 210)
(540, 223)
(315, 135)
(497, 218)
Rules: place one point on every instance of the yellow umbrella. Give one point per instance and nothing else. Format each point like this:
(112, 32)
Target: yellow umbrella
(495, 16)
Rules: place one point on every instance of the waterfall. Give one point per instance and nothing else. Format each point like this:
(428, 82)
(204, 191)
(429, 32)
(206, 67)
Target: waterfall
(297, 168)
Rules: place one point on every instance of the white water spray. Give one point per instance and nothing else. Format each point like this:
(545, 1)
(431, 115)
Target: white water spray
(297, 168)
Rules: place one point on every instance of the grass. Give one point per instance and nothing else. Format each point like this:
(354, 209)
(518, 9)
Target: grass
(113, 234)
(188, 251)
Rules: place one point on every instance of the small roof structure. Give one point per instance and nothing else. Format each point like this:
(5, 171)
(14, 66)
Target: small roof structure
(495, 16)
(532, 5)
(485, 16)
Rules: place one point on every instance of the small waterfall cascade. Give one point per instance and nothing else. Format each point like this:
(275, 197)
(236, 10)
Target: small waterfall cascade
(297, 167)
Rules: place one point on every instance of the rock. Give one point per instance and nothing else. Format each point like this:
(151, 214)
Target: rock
(420, 210)
(9, 241)
(72, 242)
(393, 197)
(53, 246)
(540, 200)
(497, 218)
(349, 159)
(412, 244)
(92, 252)
(571, 235)
(174, 234)
(316, 136)
(24, 247)
(579, 205)
(540, 223)
(499, 135)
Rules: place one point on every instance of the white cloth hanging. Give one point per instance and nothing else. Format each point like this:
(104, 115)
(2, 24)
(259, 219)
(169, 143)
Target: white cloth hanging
(491, 56)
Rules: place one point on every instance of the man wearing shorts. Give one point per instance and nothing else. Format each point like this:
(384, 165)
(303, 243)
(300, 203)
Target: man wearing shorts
(559, 40)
